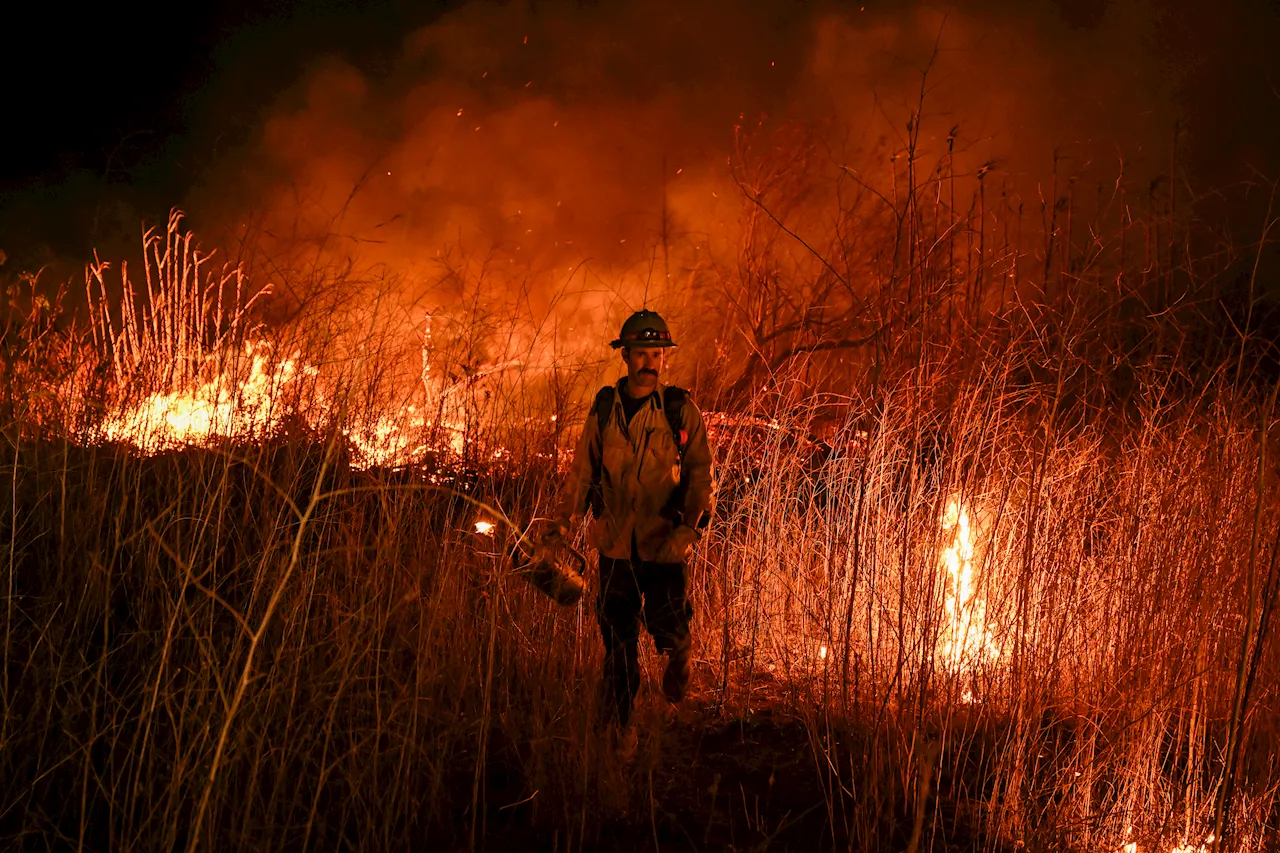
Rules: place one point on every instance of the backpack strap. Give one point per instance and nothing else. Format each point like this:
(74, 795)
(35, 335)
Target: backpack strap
(603, 408)
(673, 399)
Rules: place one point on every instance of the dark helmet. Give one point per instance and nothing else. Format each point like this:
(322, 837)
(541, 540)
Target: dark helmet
(644, 329)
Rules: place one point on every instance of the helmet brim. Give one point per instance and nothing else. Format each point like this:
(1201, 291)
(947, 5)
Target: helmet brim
(620, 343)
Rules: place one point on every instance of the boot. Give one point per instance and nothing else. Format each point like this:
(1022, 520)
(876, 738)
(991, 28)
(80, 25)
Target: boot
(675, 680)
(624, 741)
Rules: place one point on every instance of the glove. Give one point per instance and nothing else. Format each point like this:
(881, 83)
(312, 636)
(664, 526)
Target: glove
(555, 533)
(679, 545)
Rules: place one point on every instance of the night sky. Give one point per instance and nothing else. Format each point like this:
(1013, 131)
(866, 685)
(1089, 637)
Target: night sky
(123, 107)
(117, 112)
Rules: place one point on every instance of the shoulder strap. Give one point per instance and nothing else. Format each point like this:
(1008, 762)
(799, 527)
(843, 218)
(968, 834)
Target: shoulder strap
(673, 400)
(603, 407)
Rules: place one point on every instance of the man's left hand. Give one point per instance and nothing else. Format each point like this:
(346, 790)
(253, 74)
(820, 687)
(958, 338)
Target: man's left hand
(679, 545)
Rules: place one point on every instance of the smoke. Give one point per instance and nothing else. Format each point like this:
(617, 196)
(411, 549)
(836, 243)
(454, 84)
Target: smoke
(593, 150)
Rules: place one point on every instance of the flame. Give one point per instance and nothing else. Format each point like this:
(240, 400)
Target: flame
(484, 528)
(966, 638)
(194, 354)
(1189, 848)
(405, 438)
(247, 405)
(1184, 847)
(223, 407)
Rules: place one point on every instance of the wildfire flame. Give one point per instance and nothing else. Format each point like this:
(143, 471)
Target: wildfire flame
(967, 638)
(190, 368)
(224, 407)
(249, 404)
(1184, 847)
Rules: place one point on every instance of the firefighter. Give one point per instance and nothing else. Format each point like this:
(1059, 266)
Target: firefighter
(643, 466)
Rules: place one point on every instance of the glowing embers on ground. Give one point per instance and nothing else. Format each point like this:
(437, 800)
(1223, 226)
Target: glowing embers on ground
(967, 639)
(1184, 847)
(405, 438)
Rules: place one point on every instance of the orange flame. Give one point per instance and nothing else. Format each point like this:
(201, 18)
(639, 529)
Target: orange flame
(223, 407)
(967, 638)
(249, 405)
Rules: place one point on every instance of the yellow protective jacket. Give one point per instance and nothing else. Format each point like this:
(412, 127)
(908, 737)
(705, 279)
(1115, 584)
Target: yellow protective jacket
(639, 470)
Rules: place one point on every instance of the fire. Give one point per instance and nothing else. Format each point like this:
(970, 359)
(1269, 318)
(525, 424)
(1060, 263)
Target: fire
(190, 368)
(224, 407)
(1190, 848)
(484, 528)
(250, 404)
(1184, 847)
(967, 638)
(401, 439)
(248, 397)
(227, 407)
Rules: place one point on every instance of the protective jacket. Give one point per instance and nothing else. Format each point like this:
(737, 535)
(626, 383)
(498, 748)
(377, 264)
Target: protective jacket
(640, 472)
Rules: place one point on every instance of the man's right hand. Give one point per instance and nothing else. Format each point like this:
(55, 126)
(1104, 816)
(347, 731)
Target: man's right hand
(555, 532)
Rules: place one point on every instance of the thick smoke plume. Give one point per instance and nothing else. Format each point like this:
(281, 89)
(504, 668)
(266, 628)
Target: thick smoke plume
(587, 159)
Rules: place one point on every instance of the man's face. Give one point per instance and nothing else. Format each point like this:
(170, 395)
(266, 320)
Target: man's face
(644, 365)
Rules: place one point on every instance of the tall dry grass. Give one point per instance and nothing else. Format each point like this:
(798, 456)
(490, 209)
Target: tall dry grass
(255, 644)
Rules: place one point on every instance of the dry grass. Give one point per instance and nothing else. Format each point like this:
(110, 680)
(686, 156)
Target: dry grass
(255, 644)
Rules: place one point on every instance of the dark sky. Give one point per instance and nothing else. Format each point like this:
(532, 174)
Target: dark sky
(125, 105)
(115, 112)
(119, 84)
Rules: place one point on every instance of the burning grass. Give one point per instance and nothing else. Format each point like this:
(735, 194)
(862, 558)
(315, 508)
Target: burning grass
(263, 645)
(251, 602)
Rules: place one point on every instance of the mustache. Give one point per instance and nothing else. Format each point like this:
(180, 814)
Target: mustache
(648, 370)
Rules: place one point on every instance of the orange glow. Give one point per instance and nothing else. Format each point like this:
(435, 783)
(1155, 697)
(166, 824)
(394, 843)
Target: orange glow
(250, 403)
(222, 408)
(967, 638)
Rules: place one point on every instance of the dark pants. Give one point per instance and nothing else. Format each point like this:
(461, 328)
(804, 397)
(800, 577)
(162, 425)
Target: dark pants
(630, 590)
